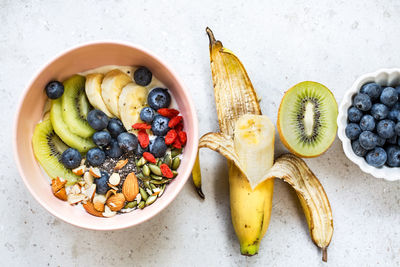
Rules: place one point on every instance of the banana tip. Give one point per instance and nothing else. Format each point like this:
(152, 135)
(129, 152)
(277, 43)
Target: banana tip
(324, 254)
(200, 192)
(211, 36)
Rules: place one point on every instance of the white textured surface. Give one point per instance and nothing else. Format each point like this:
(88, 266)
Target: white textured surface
(280, 43)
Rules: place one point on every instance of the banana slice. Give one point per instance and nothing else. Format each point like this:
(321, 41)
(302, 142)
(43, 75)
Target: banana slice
(131, 101)
(93, 92)
(111, 88)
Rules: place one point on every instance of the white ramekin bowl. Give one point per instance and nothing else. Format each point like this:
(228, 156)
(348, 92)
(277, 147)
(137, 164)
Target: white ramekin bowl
(386, 77)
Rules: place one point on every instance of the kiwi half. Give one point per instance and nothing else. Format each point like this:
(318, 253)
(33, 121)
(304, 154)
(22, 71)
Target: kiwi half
(307, 119)
(75, 105)
(64, 132)
(48, 147)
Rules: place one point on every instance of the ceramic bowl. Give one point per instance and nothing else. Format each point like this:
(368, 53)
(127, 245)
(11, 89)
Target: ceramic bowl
(384, 77)
(29, 112)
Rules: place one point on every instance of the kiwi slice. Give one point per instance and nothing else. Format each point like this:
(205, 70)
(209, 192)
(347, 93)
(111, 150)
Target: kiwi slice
(48, 147)
(75, 106)
(83, 105)
(64, 132)
(307, 119)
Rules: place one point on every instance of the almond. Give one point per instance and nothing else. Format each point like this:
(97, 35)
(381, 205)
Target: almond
(130, 188)
(88, 178)
(80, 170)
(61, 194)
(114, 179)
(57, 184)
(120, 164)
(89, 207)
(95, 172)
(89, 192)
(116, 202)
(98, 206)
(110, 192)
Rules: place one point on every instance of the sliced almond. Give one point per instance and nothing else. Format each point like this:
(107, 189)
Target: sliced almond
(110, 192)
(100, 198)
(114, 179)
(95, 172)
(130, 188)
(74, 199)
(80, 170)
(116, 202)
(138, 198)
(81, 183)
(75, 190)
(98, 206)
(89, 207)
(88, 178)
(108, 212)
(90, 192)
(57, 184)
(120, 164)
(61, 194)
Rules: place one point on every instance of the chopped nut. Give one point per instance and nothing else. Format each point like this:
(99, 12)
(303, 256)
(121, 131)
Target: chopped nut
(116, 202)
(75, 198)
(80, 170)
(108, 212)
(120, 164)
(89, 207)
(88, 178)
(95, 172)
(114, 179)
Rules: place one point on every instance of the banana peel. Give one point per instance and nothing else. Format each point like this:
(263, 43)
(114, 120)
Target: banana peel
(235, 97)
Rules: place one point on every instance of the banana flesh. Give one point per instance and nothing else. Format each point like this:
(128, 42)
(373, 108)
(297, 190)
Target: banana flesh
(93, 92)
(131, 101)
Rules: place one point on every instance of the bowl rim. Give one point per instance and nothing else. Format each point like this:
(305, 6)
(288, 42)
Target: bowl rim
(192, 156)
(387, 173)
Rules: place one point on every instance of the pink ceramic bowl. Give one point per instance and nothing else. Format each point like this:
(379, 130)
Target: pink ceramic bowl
(29, 112)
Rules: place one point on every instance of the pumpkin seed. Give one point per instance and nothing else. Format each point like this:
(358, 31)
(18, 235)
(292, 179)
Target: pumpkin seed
(175, 163)
(130, 205)
(175, 152)
(151, 200)
(143, 193)
(147, 184)
(156, 177)
(141, 204)
(146, 170)
(149, 191)
(163, 181)
(152, 187)
(155, 169)
(168, 159)
(162, 190)
(159, 162)
(175, 173)
(141, 162)
(140, 176)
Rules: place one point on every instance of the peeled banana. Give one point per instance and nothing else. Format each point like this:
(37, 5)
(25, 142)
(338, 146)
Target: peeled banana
(132, 99)
(93, 92)
(247, 141)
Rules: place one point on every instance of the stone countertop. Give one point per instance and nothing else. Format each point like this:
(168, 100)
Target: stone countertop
(280, 43)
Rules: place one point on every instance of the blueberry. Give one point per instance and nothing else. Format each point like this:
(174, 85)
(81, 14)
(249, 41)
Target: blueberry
(160, 125)
(379, 111)
(159, 98)
(393, 115)
(362, 102)
(113, 150)
(97, 119)
(385, 128)
(397, 128)
(140, 150)
(354, 114)
(102, 183)
(358, 149)
(95, 156)
(142, 76)
(102, 138)
(393, 156)
(392, 140)
(397, 89)
(127, 141)
(352, 131)
(71, 158)
(367, 123)
(376, 157)
(396, 105)
(380, 141)
(147, 114)
(373, 90)
(389, 96)
(158, 147)
(368, 140)
(115, 127)
(54, 89)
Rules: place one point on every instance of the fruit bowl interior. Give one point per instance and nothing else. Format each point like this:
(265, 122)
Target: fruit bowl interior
(384, 77)
(30, 110)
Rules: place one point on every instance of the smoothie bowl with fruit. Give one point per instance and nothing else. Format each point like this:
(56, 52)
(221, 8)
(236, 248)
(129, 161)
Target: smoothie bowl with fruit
(105, 144)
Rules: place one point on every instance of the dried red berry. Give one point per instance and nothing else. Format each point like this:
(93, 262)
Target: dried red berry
(182, 137)
(177, 144)
(141, 126)
(149, 157)
(170, 137)
(143, 138)
(166, 171)
(168, 112)
(179, 127)
(174, 121)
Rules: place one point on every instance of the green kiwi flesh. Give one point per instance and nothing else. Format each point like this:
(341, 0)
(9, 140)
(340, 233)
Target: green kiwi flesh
(75, 106)
(48, 147)
(63, 131)
(307, 119)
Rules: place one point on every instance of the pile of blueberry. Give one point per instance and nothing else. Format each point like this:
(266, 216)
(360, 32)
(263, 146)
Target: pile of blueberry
(374, 125)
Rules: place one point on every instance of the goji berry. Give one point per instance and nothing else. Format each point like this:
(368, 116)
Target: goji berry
(168, 112)
(149, 157)
(143, 138)
(179, 127)
(177, 144)
(182, 137)
(166, 171)
(141, 126)
(170, 137)
(174, 121)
